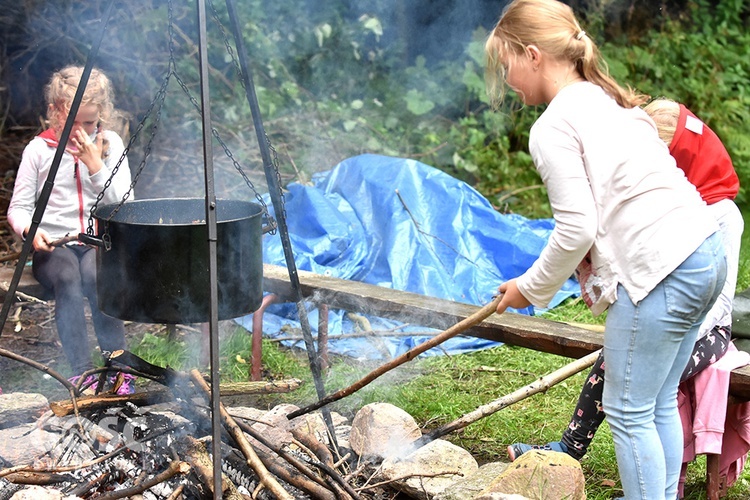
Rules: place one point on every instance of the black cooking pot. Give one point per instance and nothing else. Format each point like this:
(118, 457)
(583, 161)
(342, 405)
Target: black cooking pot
(156, 268)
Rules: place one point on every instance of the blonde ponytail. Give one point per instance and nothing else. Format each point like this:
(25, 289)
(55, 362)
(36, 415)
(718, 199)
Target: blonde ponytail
(552, 26)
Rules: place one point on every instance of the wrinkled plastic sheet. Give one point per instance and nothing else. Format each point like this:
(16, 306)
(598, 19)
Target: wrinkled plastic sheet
(401, 224)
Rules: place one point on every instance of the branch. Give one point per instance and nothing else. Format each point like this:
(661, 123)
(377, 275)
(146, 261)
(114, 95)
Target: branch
(539, 385)
(252, 458)
(39, 366)
(454, 330)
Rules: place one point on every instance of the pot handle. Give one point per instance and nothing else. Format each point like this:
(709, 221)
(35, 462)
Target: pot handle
(103, 242)
(270, 225)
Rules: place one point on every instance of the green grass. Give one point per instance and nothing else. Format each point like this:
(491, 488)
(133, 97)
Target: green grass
(438, 390)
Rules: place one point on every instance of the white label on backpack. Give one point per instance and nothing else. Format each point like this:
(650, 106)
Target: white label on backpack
(694, 125)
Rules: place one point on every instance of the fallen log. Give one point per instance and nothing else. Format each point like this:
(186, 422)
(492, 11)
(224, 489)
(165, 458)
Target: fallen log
(539, 385)
(454, 330)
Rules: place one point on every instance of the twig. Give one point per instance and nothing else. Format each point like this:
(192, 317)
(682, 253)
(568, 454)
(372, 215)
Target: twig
(89, 485)
(425, 233)
(175, 468)
(516, 191)
(177, 493)
(46, 369)
(5, 286)
(401, 478)
(202, 464)
(291, 458)
(365, 334)
(539, 385)
(459, 327)
(252, 458)
(316, 487)
(10, 256)
(28, 468)
(37, 478)
(64, 240)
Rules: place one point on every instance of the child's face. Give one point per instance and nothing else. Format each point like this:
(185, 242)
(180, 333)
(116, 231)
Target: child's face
(87, 120)
(521, 77)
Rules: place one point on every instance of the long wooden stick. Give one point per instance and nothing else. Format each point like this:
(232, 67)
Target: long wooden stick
(454, 330)
(539, 385)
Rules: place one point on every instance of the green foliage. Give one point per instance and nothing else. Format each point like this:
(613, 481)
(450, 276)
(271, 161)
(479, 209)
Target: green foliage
(702, 60)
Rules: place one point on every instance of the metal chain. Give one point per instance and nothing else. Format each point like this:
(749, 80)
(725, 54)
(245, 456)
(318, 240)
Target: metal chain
(271, 224)
(230, 49)
(238, 70)
(159, 99)
(158, 103)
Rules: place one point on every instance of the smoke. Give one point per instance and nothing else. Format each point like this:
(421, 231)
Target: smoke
(135, 53)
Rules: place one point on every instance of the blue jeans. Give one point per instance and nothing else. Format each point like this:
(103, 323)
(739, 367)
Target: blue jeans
(646, 349)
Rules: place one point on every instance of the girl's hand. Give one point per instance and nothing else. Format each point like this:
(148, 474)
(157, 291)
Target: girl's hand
(88, 151)
(511, 297)
(42, 241)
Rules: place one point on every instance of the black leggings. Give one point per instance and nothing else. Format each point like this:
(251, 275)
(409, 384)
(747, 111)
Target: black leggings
(588, 414)
(70, 272)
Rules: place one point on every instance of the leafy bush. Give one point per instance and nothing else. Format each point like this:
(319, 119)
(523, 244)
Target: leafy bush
(701, 59)
(340, 78)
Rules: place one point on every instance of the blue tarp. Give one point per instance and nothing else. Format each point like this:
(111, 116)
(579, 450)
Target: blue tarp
(400, 224)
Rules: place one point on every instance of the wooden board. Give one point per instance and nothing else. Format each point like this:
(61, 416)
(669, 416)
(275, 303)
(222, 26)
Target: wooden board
(516, 329)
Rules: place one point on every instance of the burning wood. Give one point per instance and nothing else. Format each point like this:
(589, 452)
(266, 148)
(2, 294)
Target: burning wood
(160, 395)
(252, 458)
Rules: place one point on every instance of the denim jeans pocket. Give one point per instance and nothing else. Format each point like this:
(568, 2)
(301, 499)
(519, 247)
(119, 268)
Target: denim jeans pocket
(693, 287)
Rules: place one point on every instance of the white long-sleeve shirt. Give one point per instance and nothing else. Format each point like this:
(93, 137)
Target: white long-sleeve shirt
(74, 191)
(731, 224)
(615, 192)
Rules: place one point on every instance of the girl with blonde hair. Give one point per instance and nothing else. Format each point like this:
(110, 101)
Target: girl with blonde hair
(92, 154)
(627, 221)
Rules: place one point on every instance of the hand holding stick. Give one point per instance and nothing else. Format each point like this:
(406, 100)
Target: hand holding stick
(463, 325)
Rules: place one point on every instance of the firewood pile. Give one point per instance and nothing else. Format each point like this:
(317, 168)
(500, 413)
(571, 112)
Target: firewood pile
(156, 444)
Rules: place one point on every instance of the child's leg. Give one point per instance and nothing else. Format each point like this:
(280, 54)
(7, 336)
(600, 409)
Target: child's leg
(588, 414)
(707, 351)
(58, 271)
(110, 332)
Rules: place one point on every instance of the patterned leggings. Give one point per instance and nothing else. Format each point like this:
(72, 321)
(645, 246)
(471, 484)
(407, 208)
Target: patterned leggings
(589, 414)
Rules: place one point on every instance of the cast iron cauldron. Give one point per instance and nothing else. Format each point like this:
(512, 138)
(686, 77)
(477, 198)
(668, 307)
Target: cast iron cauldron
(156, 270)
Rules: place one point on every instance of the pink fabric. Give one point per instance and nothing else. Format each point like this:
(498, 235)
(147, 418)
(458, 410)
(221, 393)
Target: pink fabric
(707, 425)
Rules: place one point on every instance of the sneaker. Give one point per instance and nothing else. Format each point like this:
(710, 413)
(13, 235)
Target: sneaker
(123, 384)
(518, 449)
(88, 387)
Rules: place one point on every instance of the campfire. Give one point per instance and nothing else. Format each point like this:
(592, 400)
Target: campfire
(156, 443)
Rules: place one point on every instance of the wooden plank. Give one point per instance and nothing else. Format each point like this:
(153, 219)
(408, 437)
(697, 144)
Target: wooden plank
(515, 329)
